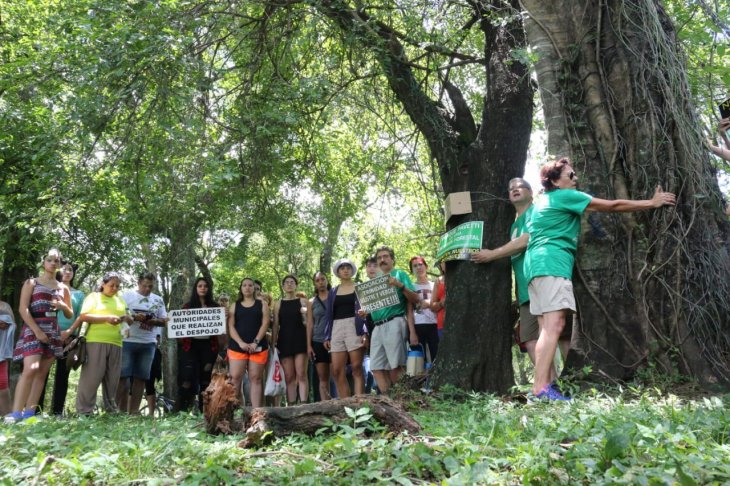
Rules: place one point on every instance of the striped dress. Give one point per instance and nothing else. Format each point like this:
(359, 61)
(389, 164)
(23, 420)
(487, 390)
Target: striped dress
(46, 318)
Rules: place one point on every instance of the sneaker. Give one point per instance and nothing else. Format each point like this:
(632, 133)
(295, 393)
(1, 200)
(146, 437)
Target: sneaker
(550, 393)
(26, 414)
(13, 418)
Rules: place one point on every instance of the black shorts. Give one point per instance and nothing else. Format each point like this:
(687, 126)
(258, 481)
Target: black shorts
(321, 355)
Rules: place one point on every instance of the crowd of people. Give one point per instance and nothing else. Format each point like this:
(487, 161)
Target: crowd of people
(122, 333)
(345, 343)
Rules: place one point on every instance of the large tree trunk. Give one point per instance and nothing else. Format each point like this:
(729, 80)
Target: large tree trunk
(650, 286)
(181, 269)
(476, 352)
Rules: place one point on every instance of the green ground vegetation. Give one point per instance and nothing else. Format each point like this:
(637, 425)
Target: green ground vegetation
(628, 435)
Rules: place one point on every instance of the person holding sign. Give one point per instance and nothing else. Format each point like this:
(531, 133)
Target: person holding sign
(103, 310)
(553, 229)
(290, 338)
(248, 350)
(346, 334)
(196, 355)
(392, 324)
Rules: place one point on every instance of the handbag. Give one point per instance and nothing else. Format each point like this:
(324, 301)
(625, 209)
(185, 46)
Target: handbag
(275, 384)
(75, 351)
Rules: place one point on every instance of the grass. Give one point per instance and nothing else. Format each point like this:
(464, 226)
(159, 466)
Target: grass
(641, 436)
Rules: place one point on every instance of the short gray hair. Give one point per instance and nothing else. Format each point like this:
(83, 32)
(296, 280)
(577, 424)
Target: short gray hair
(521, 181)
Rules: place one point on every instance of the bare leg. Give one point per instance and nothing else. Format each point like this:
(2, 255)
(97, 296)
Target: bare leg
(382, 377)
(300, 365)
(136, 398)
(255, 375)
(151, 403)
(323, 373)
(123, 395)
(290, 376)
(236, 368)
(31, 365)
(339, 362)
(395, 374)
(357, 376)
(551, 325)
(39, 382)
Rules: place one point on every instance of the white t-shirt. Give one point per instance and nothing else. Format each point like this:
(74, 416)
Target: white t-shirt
(151, 304)
(425, 315)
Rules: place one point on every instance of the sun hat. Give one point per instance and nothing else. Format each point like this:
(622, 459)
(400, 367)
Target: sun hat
(344, 261)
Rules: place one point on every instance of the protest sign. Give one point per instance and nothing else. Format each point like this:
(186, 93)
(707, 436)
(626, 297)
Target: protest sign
(459, 243)
(376, 294)
(209, 321)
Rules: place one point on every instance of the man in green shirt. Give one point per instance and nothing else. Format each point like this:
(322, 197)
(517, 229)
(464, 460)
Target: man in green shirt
(520, 195)
(387, 344)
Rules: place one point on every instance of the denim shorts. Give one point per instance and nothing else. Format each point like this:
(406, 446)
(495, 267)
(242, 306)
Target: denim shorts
(137, 360)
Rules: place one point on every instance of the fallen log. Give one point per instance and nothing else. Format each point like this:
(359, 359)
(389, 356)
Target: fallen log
(220, 400)
(263, 424)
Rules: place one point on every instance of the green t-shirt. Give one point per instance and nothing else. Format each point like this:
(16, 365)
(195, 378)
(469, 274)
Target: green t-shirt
(102, 332)
(399, 308)
(554, 227)
(519, 228)
(77, 299)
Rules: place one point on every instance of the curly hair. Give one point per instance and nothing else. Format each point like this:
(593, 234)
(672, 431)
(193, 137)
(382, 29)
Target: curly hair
(551, 172)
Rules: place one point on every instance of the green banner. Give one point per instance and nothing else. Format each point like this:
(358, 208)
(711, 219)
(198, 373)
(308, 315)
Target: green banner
(460, 242)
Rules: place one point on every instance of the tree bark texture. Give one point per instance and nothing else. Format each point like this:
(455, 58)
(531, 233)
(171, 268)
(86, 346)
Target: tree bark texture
(181, 267)
(479, 158)
(651, 286)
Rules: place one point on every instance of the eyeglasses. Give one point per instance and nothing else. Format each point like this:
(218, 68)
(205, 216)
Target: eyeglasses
(571, 175)
(519, 186)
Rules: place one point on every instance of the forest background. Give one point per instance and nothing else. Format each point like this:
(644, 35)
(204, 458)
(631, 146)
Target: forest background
(231, 139)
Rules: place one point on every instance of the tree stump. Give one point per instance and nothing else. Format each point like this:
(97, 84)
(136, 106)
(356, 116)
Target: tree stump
(309, 418)
(220, 400)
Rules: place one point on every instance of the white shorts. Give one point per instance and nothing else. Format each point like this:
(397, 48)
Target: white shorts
(388, 345)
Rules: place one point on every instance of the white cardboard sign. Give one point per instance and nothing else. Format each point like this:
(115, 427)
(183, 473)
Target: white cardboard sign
(187, 323)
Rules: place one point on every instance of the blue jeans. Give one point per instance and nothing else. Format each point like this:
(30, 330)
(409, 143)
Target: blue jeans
(137, 360)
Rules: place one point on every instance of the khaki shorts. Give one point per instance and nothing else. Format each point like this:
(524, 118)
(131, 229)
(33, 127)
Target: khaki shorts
(388, 345)
(530, 330)
(550, 294)
(344, 336)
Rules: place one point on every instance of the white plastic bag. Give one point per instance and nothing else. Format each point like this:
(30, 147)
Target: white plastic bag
(275, 384)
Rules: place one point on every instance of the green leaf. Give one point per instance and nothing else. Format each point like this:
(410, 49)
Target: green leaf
(617, 442)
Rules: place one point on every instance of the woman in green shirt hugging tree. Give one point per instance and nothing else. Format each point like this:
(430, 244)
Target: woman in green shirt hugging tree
(554, 228)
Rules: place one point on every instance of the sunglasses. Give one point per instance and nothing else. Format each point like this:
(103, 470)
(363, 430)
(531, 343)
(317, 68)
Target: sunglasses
(519, 186)
(571, 175)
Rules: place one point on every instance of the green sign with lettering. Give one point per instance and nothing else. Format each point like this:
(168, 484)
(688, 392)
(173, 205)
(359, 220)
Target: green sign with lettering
(460, 242)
